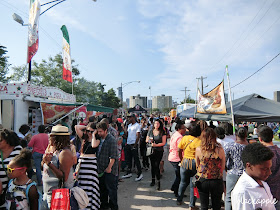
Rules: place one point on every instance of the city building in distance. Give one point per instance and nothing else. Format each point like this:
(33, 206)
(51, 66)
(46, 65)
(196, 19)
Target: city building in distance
(161, 102)
(140, 100)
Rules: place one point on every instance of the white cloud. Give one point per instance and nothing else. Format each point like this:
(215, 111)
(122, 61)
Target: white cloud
(195, 35)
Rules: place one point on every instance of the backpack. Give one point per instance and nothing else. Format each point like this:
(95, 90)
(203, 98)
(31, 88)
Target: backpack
(27, 191)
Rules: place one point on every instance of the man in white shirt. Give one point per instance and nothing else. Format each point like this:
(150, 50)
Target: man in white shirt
(133, 137)
(250, 191)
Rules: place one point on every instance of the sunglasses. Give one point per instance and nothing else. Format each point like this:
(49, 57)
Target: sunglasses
(89, 131)
(10, 170)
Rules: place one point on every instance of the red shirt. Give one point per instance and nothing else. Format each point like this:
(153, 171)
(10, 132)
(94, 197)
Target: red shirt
(39, 142)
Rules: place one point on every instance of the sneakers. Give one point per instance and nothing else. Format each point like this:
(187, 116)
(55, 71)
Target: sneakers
(139, 177)
(128, 175)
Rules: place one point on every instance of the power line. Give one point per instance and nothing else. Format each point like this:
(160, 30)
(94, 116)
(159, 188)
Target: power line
(244, 47)
(256, 71)
(249, 46)
(239, 38)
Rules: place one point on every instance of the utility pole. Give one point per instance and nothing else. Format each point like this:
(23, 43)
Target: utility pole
(201, 78)
(185, 90)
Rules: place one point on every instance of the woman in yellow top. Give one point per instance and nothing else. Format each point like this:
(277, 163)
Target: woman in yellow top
(188, 145)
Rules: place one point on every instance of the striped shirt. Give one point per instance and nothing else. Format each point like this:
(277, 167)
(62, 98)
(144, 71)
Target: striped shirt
(3, 176)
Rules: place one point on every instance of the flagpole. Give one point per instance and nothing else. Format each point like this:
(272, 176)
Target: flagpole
(72, 86)
(233, 123)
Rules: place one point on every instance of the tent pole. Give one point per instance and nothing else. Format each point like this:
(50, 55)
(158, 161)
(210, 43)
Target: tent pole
(195, 108)
(73, 110)
(233, 123)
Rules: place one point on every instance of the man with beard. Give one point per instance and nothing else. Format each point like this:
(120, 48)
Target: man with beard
(107, 167)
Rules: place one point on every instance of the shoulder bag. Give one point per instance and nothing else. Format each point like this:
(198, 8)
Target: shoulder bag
(150, 149)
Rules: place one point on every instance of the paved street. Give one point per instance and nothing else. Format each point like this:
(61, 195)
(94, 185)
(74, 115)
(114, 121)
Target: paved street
(139, 195)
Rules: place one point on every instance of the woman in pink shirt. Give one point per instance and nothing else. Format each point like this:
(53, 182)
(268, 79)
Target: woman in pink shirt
(39, 143)
(173, 157)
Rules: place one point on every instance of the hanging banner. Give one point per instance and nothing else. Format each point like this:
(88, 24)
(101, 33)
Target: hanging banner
(212, 102)
(67, 67)
(33, 25)
(52, 112)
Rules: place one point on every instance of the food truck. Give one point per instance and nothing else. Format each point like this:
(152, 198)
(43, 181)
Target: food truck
(21, 104)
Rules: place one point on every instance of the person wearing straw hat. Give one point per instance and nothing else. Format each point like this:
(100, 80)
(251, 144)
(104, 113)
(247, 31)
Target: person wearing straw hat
(56, 165)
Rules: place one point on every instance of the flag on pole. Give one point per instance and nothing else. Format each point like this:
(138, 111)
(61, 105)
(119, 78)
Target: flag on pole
(67, 67)
(212, 102)
(33, 25)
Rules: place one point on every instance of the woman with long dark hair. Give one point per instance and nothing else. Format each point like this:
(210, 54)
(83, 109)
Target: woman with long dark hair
(210, 162)
(56, 165)
(88, 175)
(157, 137)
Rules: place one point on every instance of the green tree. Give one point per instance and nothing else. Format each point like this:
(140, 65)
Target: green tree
(49, 73)
(109, 98)
(3, 64)
(86, 91)
(155, 110)
(189, 100)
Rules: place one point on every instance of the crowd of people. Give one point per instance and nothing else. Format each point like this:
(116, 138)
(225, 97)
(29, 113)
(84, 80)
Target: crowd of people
(210, 159)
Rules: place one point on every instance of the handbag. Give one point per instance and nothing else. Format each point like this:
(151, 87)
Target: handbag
(60, 199)
(3, 195)
(150, 150)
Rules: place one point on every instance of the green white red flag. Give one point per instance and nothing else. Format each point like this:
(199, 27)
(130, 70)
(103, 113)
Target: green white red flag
(33, 25)
(67, 67)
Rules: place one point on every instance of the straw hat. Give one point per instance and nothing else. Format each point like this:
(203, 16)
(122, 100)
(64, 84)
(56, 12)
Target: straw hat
(59, 130)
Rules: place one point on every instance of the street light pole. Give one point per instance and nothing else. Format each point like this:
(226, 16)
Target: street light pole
(121, 89)
(18, 19)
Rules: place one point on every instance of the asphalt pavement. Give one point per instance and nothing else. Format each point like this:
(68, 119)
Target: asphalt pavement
(139, 195)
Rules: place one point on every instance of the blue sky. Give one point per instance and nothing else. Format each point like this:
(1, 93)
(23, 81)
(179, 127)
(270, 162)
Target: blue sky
(166, 44)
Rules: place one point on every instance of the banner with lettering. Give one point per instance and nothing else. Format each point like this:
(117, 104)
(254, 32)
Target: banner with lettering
(212, 102)
(52, 112)
(33, 25)
(67, 67)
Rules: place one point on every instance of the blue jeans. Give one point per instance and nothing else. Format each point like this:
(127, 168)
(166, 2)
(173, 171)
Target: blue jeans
(230, 183)
(186, 177)
(37, 157)
(108, 185)
(176, 183)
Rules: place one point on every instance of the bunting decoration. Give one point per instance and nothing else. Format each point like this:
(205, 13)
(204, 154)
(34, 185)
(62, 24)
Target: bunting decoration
(212, 102)
(67, 67)
(33, 25)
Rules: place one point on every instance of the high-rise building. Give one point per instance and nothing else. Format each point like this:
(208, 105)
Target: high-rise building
(276, 96)
(140, 100)
(161, 102)
(150, 104)
(127, 102)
